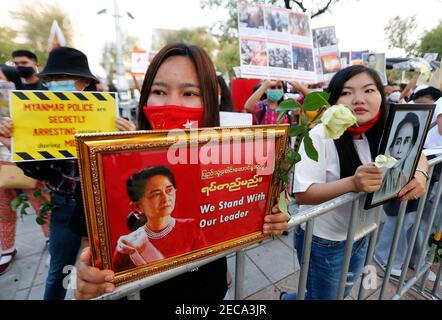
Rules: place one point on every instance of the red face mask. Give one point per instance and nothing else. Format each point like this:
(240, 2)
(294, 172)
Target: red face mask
(357, 130)
(174, 117)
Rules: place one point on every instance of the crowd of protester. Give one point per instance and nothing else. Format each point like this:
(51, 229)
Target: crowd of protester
(345, 165)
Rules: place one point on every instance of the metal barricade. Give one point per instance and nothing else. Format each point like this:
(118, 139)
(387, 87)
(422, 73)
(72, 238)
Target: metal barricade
(365, 223)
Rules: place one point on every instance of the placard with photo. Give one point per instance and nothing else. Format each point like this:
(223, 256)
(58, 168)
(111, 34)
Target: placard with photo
(275, 43)
(403, 139)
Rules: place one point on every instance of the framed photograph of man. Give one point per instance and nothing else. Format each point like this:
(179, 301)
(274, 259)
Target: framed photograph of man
(403, 139)
(155, 200)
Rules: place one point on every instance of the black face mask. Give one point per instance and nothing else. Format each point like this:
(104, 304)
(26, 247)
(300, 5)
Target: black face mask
(25, 72)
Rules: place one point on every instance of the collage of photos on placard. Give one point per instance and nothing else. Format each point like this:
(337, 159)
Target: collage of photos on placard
(276, 20)
(328, 57)
(279, 56)
(254, 53)
(325, 37)
(303, 59)
(300, 25)
(250, 16)
(275, 42)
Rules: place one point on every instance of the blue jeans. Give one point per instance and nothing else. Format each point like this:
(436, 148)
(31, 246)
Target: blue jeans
(382, 252)
(326, 260)
(63, 246)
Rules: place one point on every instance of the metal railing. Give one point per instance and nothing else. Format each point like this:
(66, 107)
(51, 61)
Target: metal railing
(362, 223)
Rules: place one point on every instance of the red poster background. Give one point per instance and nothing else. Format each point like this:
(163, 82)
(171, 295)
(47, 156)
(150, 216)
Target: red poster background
(117, 168)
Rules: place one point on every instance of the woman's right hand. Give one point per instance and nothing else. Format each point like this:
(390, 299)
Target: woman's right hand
(269, 83)
(92, 282)
(367, 178)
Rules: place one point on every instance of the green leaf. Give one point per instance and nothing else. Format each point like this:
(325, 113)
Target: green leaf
(297, 130)
(280, 116)
(38, 195)
(15, 204)
(288, 105)
(18, 201)
(40, 221)
(310, 149)
(290, 155)
(23, 211)
(316, 100)
(297, 159)
(304, 119)
(284, 178)
(282, 204)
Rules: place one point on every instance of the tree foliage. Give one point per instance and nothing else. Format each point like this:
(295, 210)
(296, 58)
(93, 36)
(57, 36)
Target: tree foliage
(432, 41)
(109, 56)
(398, 32)
(7, 43)
(35, 20)
(228, 57)
(199, 36)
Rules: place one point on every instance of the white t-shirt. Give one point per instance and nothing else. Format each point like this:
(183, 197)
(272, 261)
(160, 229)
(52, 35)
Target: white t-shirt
(434, 139)
(334, 224)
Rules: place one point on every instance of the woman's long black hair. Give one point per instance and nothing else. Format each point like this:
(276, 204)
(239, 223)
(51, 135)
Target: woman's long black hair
(348, 157)
(205, 71)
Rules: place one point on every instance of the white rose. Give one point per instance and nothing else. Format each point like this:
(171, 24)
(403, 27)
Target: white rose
(383, 161)
(336, 119)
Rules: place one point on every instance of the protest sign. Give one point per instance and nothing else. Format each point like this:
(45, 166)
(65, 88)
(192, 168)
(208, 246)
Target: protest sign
(275, 43)
(140, 61)
(229, 119)
(345, 59)
(356, 57)
(45, 122)
(327, 52)
(429, 56)
(377, 62)
(56, 38)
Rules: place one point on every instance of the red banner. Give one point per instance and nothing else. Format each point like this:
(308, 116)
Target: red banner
(224, 201)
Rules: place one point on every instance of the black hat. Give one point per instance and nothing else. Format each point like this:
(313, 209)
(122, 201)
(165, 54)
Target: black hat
(69, 61)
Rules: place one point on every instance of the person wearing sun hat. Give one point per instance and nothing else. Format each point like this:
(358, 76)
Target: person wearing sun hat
(67, 69)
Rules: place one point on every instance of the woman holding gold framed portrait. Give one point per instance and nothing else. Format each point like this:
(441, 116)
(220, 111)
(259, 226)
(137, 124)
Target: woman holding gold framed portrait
(180, 90)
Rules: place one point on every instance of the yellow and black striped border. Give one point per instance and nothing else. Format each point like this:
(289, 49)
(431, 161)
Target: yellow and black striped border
(44, 96)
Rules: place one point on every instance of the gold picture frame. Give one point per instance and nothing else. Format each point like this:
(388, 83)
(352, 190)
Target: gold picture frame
(107, 161)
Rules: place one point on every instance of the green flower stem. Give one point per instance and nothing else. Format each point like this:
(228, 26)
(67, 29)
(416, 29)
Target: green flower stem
(318, 114)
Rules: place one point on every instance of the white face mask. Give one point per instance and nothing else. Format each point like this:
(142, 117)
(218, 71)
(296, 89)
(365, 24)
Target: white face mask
(63, 85)
(394, 97)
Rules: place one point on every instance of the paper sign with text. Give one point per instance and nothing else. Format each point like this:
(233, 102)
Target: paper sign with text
(275, 43)
(45, 122)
